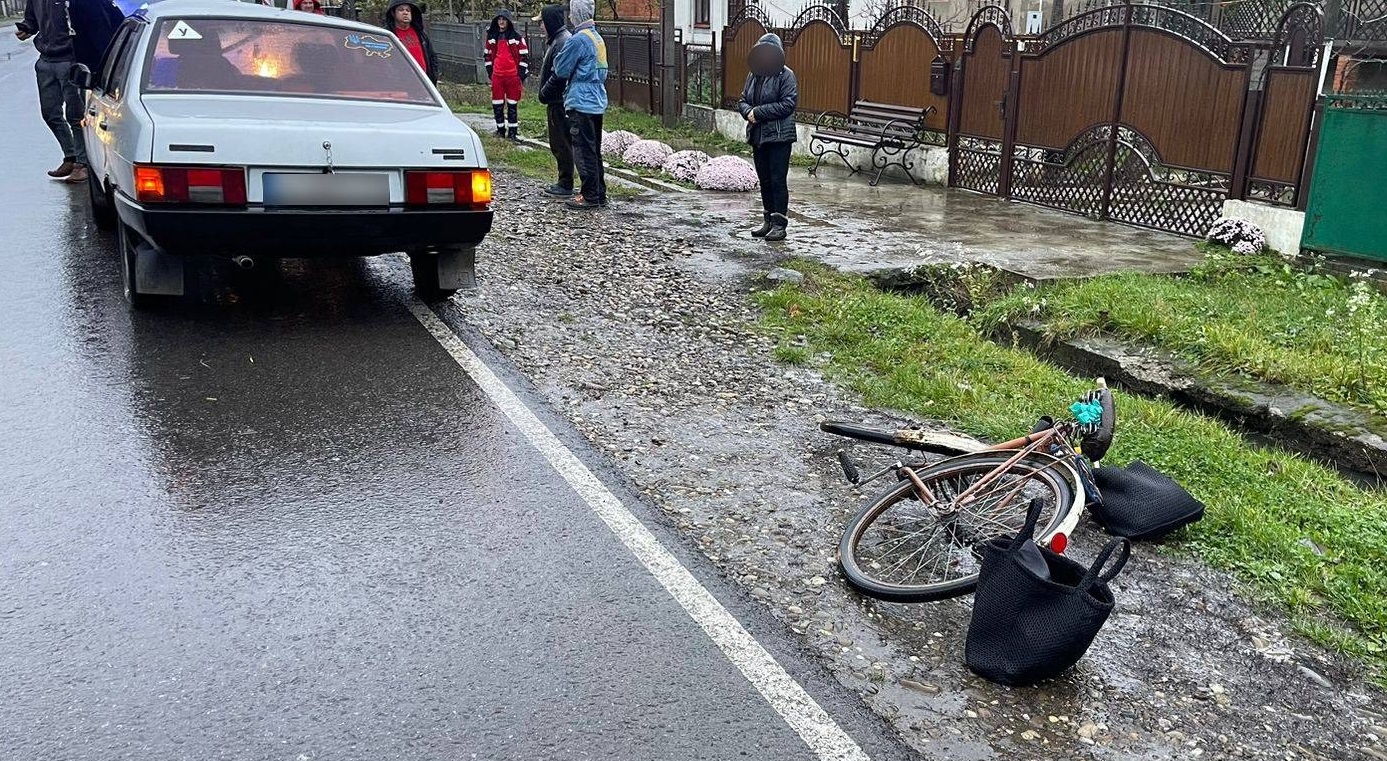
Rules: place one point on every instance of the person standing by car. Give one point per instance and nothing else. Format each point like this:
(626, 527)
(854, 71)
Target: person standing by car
(582, 65)
(94, 24)
(507, 58)
(560, 142)
(768, 103)
(404, 19)
(66, 34)
(309, 6)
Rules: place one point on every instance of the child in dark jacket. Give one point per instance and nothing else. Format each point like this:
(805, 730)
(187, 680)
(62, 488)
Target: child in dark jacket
(507, 65)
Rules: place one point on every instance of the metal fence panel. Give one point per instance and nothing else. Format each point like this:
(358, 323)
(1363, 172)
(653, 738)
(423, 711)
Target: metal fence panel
(460, 47)
(1347, 194)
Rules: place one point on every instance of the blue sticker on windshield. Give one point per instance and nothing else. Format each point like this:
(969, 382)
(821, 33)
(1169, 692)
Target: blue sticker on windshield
(373, 45)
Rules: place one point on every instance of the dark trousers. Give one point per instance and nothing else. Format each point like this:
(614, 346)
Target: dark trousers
(773, 170)
(586, 131)
(60, 102)
(561, 144)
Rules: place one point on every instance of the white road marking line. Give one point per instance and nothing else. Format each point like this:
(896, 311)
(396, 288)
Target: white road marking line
(818, 730)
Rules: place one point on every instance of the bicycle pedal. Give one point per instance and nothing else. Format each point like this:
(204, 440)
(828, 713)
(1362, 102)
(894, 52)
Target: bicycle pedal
(850, 470)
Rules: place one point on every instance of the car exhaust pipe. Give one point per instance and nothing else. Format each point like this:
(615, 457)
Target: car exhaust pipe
(244, 262)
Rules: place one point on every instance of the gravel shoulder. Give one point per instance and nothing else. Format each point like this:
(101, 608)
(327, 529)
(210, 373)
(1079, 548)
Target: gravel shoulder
(636, 323)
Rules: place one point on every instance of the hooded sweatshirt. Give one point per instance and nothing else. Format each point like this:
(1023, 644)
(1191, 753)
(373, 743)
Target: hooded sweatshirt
(48, 21)
(506, 53)
(771, 93)
(416, 24)
(583, 62)
(556, 31)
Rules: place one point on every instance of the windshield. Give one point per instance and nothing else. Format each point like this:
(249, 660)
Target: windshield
(255, 57)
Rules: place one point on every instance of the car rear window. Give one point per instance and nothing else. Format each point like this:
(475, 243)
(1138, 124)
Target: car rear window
(256, 57)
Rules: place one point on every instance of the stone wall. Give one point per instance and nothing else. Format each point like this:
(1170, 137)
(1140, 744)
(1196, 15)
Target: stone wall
(1281, 225)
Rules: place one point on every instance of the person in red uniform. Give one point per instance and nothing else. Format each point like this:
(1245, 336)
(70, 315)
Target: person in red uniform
(309, 6)
(404, 19)
(507, 58)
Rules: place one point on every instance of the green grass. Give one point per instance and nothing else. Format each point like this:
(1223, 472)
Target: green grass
(901, 353)
(476, 99)
(536, 164)
(533, 118)
(1259, 317)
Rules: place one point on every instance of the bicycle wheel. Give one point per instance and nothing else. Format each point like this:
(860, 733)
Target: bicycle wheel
(897, 549)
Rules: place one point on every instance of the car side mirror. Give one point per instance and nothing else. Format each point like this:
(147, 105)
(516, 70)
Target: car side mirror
(80, 77)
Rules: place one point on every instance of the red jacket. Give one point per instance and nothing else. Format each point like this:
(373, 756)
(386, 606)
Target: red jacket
(506, 53)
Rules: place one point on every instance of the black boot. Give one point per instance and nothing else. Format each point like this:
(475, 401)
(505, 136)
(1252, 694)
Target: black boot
(764, 229)
(513, 134)
(778, 224)
(501, 132)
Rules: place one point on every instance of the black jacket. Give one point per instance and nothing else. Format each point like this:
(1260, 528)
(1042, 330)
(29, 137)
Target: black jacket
(773, 94)
(430, 60)
(556, 31)
(48, 21)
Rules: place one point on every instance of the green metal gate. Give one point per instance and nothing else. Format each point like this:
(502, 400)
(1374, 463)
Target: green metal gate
(1349, 189)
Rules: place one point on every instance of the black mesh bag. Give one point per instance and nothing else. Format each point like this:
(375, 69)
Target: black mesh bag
(1140, 502)
(1027, 627)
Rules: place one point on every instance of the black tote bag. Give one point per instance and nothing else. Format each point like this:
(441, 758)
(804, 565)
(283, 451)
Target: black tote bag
(1140, 502)
(1027, 627)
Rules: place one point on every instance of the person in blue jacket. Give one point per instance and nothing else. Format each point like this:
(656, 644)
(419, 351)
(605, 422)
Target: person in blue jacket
(582, 65)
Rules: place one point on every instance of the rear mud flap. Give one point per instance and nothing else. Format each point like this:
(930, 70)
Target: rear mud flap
(157, 273)
(457, 269)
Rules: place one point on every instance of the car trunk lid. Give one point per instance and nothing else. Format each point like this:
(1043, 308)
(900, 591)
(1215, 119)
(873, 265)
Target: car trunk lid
(306, 133)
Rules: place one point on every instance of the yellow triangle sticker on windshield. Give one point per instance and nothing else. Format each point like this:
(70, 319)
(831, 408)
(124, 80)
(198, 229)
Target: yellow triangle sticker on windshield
(181, 31)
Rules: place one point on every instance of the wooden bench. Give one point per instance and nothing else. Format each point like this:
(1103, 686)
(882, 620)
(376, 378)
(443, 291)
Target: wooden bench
(891, 132)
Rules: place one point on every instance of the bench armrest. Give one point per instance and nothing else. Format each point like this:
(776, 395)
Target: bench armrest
(915, 124)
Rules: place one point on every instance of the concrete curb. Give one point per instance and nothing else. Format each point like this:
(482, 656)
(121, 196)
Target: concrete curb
(1345, 437)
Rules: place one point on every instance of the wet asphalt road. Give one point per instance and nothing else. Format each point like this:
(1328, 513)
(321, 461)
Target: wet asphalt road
(275, 520)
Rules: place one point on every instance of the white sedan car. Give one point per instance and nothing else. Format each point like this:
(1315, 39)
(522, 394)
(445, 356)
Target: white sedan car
(239, 130)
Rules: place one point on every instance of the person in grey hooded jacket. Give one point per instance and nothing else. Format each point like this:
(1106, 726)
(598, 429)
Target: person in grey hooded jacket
(768, 103)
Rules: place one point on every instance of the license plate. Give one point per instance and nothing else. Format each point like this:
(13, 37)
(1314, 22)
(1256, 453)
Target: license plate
(319, 189)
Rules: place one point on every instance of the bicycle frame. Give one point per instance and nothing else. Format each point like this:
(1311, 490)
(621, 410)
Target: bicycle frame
(1030, 445)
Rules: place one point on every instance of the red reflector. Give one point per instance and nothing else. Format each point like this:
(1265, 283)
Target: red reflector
(1058, 543)
(205, 178)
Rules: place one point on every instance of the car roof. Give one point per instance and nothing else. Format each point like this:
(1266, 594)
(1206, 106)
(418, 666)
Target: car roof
(247, 10)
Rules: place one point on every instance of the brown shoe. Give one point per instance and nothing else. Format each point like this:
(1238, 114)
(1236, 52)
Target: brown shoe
(78, 176)
(63, 170)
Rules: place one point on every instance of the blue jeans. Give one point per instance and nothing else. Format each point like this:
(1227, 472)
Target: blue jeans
(60, 102)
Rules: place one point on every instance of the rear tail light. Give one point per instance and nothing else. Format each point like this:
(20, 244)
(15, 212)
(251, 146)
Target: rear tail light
(172, 184)
(448, 188)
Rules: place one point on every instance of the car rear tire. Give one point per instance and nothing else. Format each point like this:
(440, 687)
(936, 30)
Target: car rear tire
(426, 270)
(127, 240)
(102, 211)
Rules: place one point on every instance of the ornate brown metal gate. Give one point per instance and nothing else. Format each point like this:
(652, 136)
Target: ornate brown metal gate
(979, 108)
(1135, 113)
